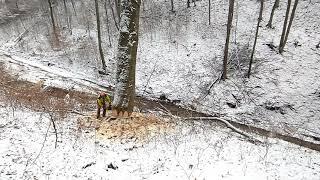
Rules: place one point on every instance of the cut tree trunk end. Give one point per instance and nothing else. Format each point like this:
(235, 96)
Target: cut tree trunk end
(124, 114)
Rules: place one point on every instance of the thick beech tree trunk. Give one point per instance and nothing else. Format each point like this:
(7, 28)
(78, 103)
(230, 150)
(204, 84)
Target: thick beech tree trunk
(126, 59)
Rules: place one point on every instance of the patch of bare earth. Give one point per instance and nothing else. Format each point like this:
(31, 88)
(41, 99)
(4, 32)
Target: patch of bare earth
(18, 93)
(137, 127)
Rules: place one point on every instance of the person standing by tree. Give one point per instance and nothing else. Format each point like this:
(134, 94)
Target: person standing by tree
(102, 101)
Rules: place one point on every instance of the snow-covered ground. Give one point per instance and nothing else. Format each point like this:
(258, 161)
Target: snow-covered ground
(179, 55)
(190, 151)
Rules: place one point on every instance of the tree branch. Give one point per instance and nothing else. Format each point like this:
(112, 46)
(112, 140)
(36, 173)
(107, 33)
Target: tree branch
(229, 125)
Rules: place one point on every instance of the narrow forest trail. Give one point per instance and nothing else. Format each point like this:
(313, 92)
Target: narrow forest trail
(86, 100)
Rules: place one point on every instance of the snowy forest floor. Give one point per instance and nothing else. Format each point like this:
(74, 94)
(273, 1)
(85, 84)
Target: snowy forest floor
(179, 57)
(155, 147)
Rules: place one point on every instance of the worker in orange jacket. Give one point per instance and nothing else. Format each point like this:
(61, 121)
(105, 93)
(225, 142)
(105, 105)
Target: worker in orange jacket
(102, 101)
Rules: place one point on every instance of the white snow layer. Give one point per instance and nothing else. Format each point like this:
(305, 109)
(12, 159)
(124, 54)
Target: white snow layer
(194, 151)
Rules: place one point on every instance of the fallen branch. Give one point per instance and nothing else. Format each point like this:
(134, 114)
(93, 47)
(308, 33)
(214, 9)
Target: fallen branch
(45, 139)
(229, 125)
(151, 74)
(77, 112)
(55, 130)
(210, 87)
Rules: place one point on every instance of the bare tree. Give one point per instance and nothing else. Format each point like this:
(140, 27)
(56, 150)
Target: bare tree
(172, 6)
(256, 36)
(52, 15)
(117, 5)
(114, 17)
(126, 59)
(68, 16)
(99, 35)
(209, 12)
(290, 23)
(281, 46)
(226, 47)
(74, 7)
(107, 22)
(275, 6)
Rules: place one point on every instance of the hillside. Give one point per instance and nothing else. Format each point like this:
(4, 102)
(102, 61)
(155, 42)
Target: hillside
(180, 58)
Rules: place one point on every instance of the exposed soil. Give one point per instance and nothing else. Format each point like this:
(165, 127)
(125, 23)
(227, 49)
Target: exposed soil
(37, 97)
(137, 127)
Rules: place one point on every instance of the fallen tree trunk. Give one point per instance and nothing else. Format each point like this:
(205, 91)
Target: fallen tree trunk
(229, 125)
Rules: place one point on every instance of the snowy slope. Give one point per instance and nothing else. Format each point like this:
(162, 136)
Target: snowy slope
(180, 55)
(191, 151)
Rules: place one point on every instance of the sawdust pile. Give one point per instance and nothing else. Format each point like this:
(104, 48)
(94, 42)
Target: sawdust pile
(138, 126)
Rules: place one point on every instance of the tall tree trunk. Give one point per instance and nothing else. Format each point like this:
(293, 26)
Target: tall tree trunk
(290, 22)
(117, 5)
(126, 59)
(74, 7)
(114, 17)
(281, 46)
(107, 22)
(256, 37)
(172, 6)
(226, 47)
(56, 41)
(209, 12)
(99, 35)
(275, 6)
(68, 17)
(52, 15)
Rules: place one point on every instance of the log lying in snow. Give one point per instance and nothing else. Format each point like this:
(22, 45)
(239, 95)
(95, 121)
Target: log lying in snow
(229, 125)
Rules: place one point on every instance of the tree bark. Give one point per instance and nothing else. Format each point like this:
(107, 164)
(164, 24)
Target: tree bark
(126, 59)
(52, 16)
(68, 16)
(209, 12)
(226, 47)
(99, 35)
(172, 6)
(107, 22)
(256, 37)
(290, 22)
(114, 17)
(275, 6)
(74, 7)
(117, 4)
(281, 45)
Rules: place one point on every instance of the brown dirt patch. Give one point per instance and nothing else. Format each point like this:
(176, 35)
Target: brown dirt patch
(137, 127)
(40, 98)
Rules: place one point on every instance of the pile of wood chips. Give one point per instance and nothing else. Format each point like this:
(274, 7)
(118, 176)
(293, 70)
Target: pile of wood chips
(137, 127)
